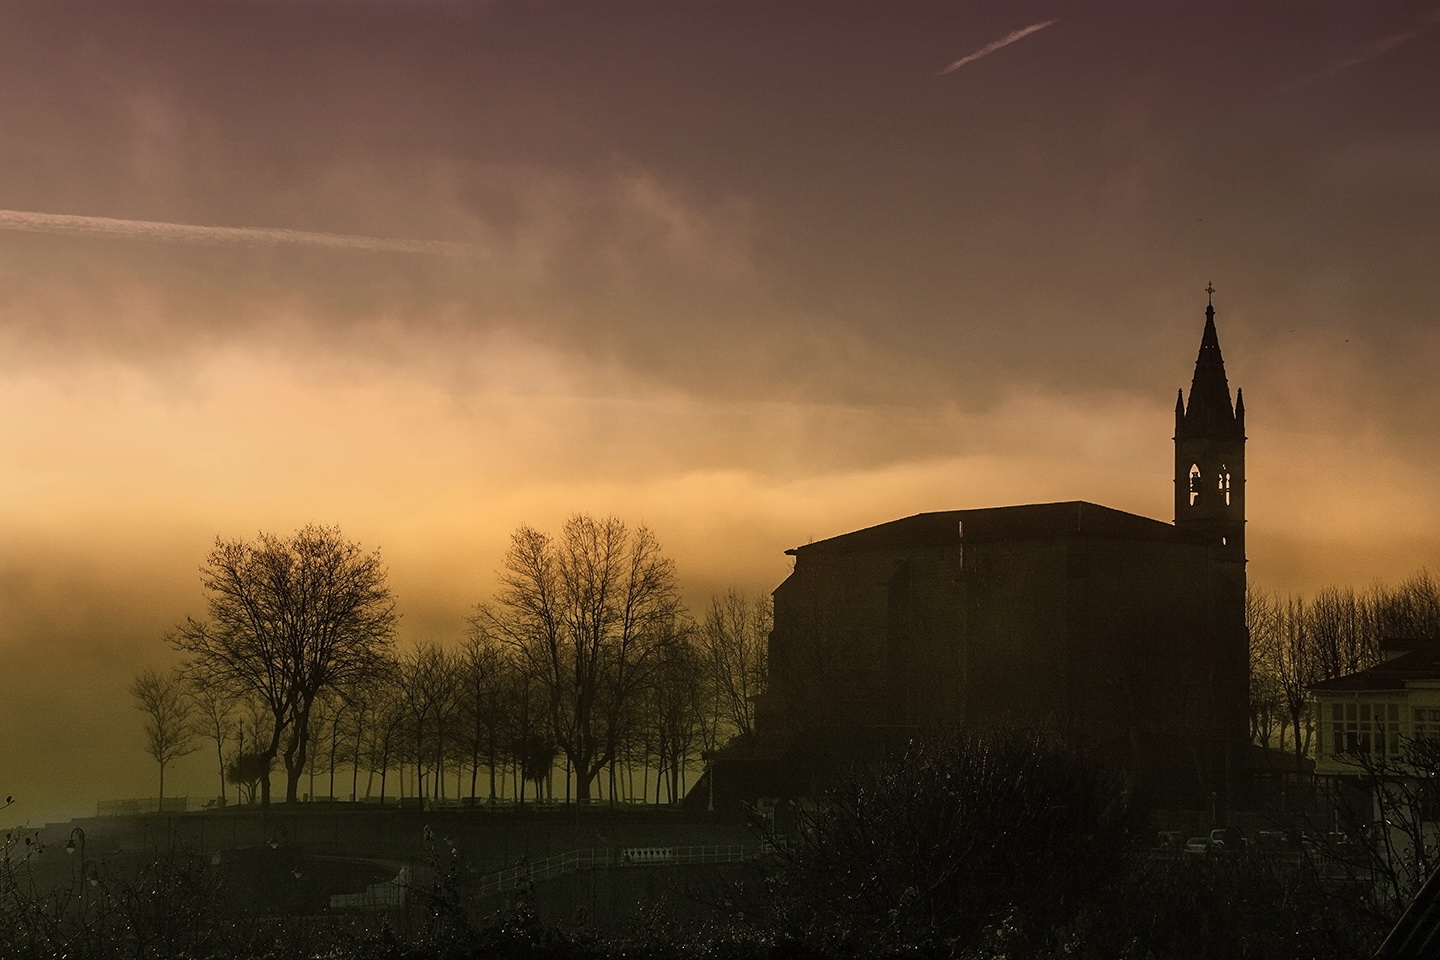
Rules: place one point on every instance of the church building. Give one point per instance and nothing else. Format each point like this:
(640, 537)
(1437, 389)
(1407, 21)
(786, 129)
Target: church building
(1122, 633)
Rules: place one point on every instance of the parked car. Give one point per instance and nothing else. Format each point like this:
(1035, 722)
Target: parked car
(1271, 841)
(1198, 845)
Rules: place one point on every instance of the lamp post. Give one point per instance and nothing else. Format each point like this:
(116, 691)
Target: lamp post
(70, 846)
(709, 757)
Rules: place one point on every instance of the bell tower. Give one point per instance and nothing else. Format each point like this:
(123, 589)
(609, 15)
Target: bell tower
(1210, 450)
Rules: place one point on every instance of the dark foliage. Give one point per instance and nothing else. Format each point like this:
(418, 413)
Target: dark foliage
(1239, 906)
(949, 841)
(246, 770)
(1013, 846)
(969, 848)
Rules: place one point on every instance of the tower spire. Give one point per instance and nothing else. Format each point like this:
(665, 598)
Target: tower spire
(1210, 448)
(1208, 411)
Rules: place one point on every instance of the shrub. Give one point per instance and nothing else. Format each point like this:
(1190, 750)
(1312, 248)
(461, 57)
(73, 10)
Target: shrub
(953, 841)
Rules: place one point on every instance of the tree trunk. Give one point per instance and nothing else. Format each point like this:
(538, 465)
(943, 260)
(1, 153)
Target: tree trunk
(220, 756)
(269, 757)
(334, 737)
(295, 755)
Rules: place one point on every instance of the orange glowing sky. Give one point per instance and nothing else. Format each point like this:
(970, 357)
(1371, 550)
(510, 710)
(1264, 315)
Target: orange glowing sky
(751, 273)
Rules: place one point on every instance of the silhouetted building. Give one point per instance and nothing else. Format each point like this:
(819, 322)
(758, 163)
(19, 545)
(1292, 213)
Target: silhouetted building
(1124, 633)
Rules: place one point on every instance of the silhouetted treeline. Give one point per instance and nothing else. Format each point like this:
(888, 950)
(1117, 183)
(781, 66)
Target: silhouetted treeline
(584, 668)
(1295, 642)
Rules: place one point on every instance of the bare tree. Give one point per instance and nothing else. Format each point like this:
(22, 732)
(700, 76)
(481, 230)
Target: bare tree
(289, 619)
(1296, 670)
(484, 705)
(325, 717)
(586, 611)
(351, 724)
(427, 682)
(1384, 819)
(535, 757)
(381, 742)
(336, 738)
(673, 708)
(1267, 693)
(168, 731)
(733, 639)
(1341, 635)
(213, 708)
(532, 747)
(1410, 610)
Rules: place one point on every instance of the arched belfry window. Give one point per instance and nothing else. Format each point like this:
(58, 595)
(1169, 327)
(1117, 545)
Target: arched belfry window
(1224, 484)
(1196, 484)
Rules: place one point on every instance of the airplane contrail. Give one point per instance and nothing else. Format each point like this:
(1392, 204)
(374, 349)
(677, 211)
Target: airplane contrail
(29, 221)
(990, 48)
(1370, 51)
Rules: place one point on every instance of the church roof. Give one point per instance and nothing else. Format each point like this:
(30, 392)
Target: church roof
(1027, 521)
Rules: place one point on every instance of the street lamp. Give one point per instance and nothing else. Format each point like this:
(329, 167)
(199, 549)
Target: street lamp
(709, 757)
(70, 845)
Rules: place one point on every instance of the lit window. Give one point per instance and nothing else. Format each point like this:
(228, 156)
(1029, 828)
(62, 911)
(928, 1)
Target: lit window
(1427, 723)
(1365, 729)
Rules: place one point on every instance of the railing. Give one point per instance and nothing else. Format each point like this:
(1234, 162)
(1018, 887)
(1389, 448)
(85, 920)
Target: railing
(577, 860)
(117, 808)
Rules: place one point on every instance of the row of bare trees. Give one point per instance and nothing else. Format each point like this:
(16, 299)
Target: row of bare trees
(585, 659)
(1296, 642)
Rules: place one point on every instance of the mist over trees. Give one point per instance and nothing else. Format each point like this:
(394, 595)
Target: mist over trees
(288, 620)
(590, 614)
(585, 669)
(584, 664)
(585, 658)
(169, 731)
(734, 638)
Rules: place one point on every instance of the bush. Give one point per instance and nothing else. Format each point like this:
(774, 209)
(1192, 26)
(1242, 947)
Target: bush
(951, 843)
(1241, 906)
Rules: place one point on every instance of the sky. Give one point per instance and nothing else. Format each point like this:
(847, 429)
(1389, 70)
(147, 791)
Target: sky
(752, 274)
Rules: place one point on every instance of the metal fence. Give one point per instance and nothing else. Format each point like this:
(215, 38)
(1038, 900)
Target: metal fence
(117, 808)
(576, 860)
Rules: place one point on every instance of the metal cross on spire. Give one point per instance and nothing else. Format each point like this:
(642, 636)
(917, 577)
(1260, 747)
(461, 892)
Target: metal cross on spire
(1210, 294)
